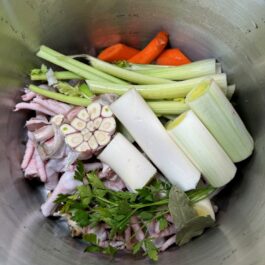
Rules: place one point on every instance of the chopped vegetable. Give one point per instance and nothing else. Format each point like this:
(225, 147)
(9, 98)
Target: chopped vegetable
(200, 146)
(152, 50)
(124, 74)
(221, 119)
(172, 57)
(158, 91)
(117, 52)
(75, 66)
(188, 223)
(149, 133)
(127, 161)
(183, 72)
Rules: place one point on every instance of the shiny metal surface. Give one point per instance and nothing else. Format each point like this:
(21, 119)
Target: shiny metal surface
(232, 31)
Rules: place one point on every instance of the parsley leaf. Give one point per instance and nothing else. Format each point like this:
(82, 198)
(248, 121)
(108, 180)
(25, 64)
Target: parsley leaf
(90, 238)
(93, 249)
(163, 223)
(151, 249)
(81, 217)
(137, 247)
(85, 194)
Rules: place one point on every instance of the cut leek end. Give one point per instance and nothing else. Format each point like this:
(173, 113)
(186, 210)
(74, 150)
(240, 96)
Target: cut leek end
(199, 90)
(172, 124)
(249, 148)
(220, 182)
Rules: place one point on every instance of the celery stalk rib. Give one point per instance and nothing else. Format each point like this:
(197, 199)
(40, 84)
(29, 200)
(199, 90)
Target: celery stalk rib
(156, 91)
(127, 75)
(60, 75)
(75, 66)
(167, 107)
(60, 97)
(183, 72)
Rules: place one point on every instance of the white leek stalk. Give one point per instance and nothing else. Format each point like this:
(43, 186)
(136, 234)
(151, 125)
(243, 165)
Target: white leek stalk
(219, 116)
(230, 91)
(127, 161)
(218, 68)
(151, 136)
(201, 147)
(183, 72)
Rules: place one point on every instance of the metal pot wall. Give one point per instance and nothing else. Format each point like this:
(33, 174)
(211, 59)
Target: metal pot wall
(232, 31)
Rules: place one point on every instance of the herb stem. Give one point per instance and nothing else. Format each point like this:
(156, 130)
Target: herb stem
(107, 201)
(140, 206)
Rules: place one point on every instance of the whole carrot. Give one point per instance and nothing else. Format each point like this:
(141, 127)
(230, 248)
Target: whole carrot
(117, 52)
(152, 50)
(172, 57)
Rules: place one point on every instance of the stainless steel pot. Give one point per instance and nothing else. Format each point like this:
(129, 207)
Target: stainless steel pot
(232, 31)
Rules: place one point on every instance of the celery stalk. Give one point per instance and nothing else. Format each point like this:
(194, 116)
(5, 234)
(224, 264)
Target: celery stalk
(183, 72)
(221, 119)
(127, 75)
(61, 75)
(75, 66)
(128, 162)
(159, 91)
(201, 147)
(167, 107)
(60, 97)
(151, 136)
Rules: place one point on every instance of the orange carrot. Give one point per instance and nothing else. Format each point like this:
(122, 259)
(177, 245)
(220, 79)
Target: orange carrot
(152, 50)
(117, 52)
(172, 57)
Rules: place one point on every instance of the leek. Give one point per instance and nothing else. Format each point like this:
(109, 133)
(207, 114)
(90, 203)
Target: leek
(61, 75)
(218, 68)
(183, 72)
(201, 147)
(61, 97)
(127, 75)
(127, 161)
(151, 136)
(221, 119)
(75, 66)
(159, 91)
(230, 91)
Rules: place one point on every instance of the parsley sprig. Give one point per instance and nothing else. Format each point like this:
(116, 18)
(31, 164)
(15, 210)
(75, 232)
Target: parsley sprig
(93, 204)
